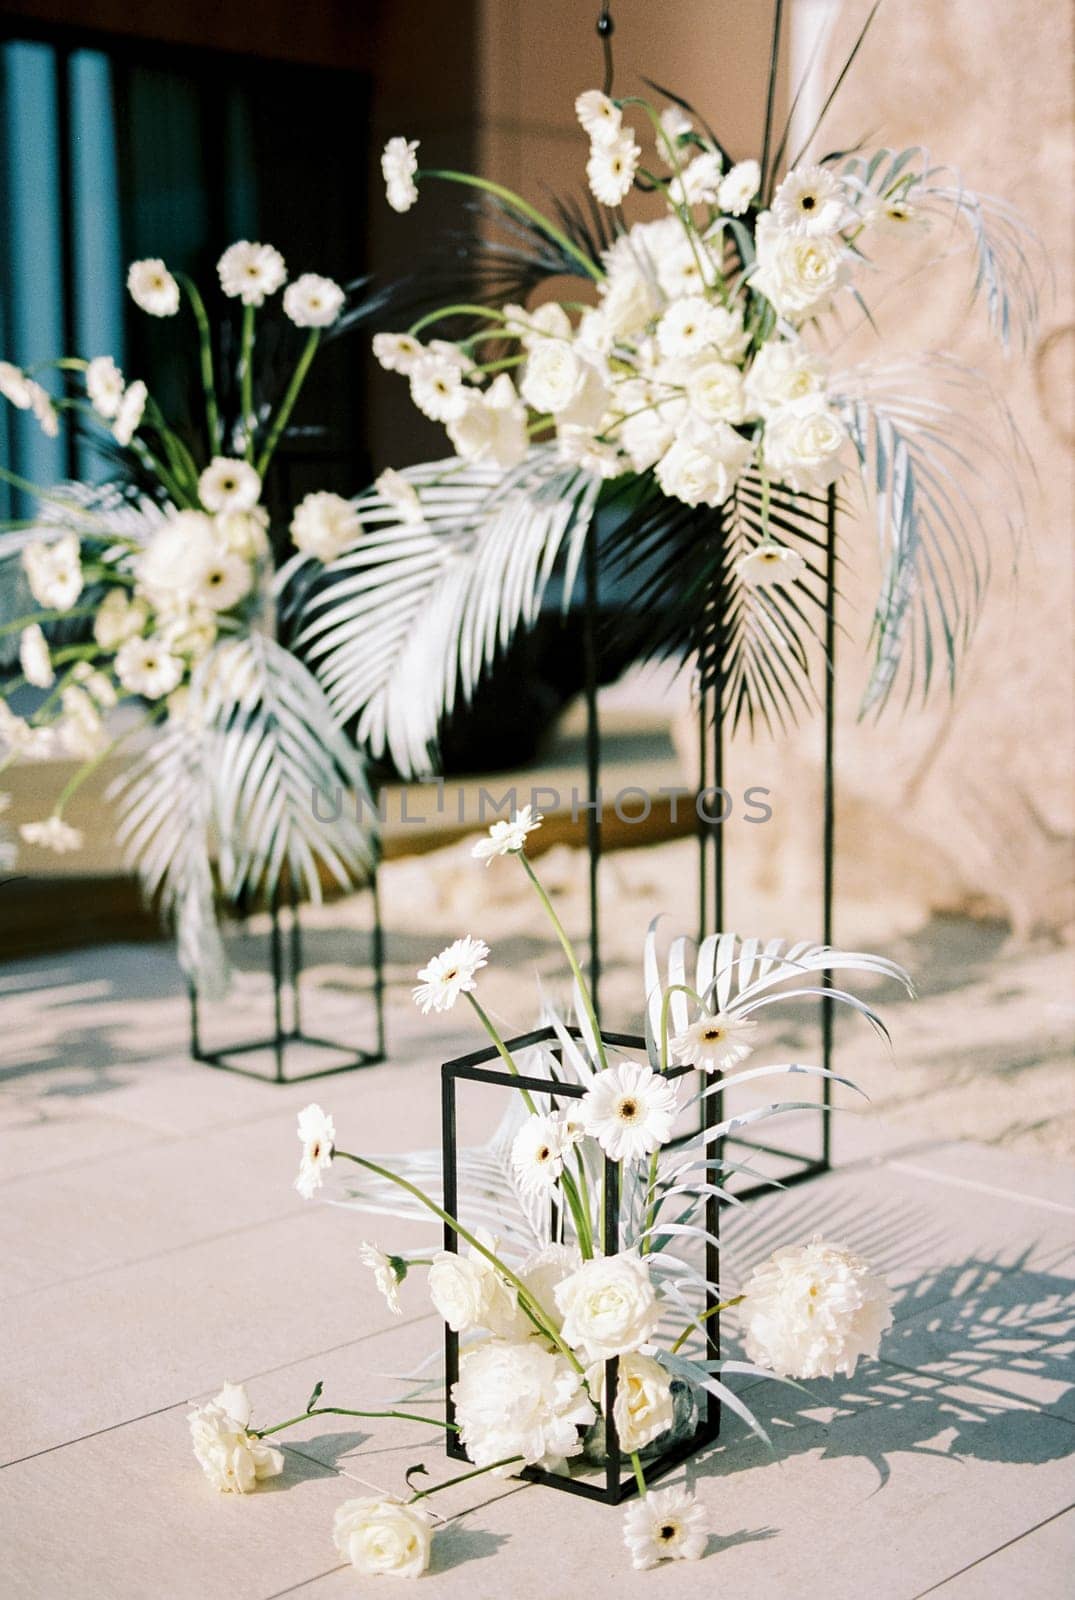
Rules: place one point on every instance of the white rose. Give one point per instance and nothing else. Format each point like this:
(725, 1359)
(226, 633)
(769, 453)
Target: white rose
(378, 1536)
(232, 1459)
(644, 1406)
(704, 464)
(609, 1306)
(469, 1293)
(715, 391)
(805, 446)
(796, 273)
(491, 426)
(784, 371)
(324, 525)
(543, 1272)
(519, 1400)
(812, 1310)
(554, 375)
(628, 302)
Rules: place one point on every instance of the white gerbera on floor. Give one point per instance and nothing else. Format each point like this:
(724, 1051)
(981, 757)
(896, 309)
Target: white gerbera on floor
(629, 1109)
(715, 1043)
(667, 1525)
(450, 974)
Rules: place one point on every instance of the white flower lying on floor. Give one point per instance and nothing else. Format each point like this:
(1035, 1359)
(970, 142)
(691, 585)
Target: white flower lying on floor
(609, 1306)
(629, 1109)
(715, 1043)
(383, 1536)
(812, 1310)
(519, 1400)
(388, 1273)
(317, 1132)
(668, 1525)
(644, 1407)
(506, 838)
(450, 974)
(232, 1459)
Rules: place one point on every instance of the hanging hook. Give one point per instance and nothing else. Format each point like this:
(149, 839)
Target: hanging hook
(605, 29)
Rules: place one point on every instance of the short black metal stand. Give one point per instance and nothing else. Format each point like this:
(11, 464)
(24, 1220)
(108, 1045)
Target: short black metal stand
(475, 1068)
(285, 964)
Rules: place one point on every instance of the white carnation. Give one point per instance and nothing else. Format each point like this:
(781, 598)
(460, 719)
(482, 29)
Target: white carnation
(519, 1400)
(233, 1460)
(812, 1310)
(609, 1306)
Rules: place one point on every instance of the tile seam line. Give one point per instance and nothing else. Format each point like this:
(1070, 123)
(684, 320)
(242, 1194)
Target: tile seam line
(979, 1187)
(935, 1588)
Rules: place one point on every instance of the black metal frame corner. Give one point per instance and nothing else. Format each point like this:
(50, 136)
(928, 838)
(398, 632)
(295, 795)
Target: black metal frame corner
(617, 1486)
(285, 957)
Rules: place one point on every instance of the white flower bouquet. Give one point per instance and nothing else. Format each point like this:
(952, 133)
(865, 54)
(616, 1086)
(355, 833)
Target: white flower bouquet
(681, 379)
(578, 1279)
(164, 589)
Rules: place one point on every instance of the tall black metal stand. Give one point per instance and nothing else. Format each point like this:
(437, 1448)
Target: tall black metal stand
(593, 756)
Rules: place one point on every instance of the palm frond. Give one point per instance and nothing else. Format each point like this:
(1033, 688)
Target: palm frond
(940, 459)
(406, 622)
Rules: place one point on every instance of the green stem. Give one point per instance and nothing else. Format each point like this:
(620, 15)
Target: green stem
(526, 210)
(581, 1220)
(246, 379)
(461, 310)
(478, 1472)
(287, 404)
(640, 1476)
(342, 1411)
(475, 1244)
(685, 1335)
(502, 1050)
(88, 768)
(572, 959)
(205, 343)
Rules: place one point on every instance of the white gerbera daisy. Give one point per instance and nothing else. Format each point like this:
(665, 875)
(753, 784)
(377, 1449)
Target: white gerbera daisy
(250, 272)
(715, 1043)
(811, 200)
(399, 492)
(699, 181)
(104, 385)
(129, 413)
(437, 387)
(611, 168)
(324, 525)
(54, 572)
(118, 619)
(399, 163)
(397, 352)
(15, 385)
(146, 667)
(539, 1149)
(313, 302)
(52, 834)
(738, 188)
(450, 974)
(770, 566)
(388, 1273)
(222, 582)
(812, 1310)
(599, 116)
(317, 1133)
(629, 1109)
(229, 485)
(34, 658)
(684, 329)
(152, 288)
(666, 1525)
(508, 838)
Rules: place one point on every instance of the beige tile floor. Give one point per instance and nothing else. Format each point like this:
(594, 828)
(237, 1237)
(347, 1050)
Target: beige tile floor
(152, 1245)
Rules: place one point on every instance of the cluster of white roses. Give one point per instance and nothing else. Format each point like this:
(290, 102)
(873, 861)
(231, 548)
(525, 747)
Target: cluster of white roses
(693, 363)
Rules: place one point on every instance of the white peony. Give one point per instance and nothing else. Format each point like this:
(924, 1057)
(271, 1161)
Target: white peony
(611, 168)
(644, 1406)
(782, 372)
(491, 426)
(52, 834)
(770, 566)
(54, 572)
(600, 117)
(152, 288)
(738, 188)
(129, 413)
(34, 658)
(811, 201)
(704, 464)
(629, 1109)
(383, 1536)
(797, 274)
(508, 838)
(805, 446)
(397, 352)
(554, 376)
(250, 272)
(519, 1400)
(104, 385)
(313, 302)
(324, 525)
(468, 1293)
(666, 1525)
(812, 1310)
(399, 163)
(146, 667)
(450, 974)
(233, 1460)
(609, 1306)
(229, 485)
(317, 1133)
